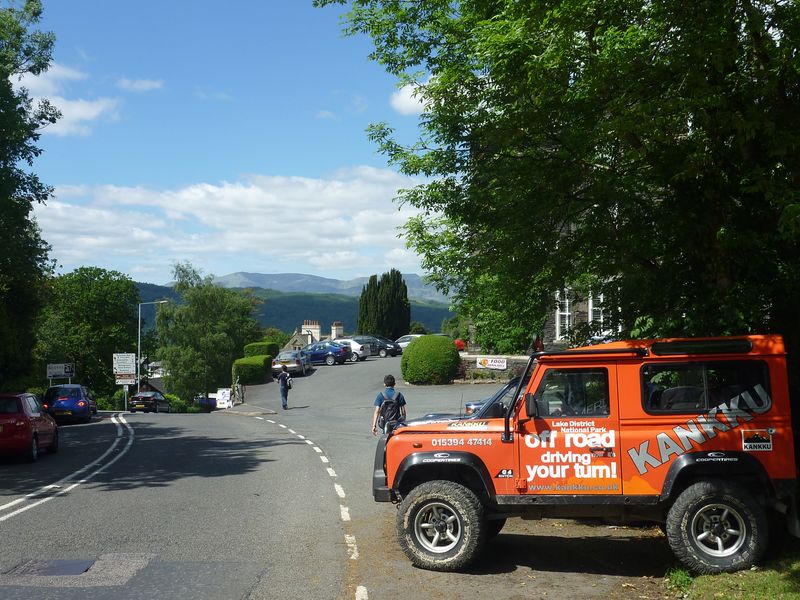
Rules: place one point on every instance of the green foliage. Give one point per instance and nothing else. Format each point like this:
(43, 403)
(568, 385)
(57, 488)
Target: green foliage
(383, 308)
(645, 151)
(417, 327)
(260, 349)
(679, 580)
(457, 327)
(201, 336)
(430, 359)
(24, 262)
(252, 370)
(90, 315)
(275, 335)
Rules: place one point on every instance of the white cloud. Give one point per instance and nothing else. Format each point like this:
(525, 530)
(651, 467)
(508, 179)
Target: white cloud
(77, 115)
(342, 226)
(407, 101)
(139, 85)
(326, 114)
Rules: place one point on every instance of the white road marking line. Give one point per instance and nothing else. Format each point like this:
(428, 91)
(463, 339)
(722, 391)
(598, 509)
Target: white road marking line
(339, 490)
(324, 459)
(302, 437)
(280, 425)
(260, 418)
(352, 549)
(61, 492)
(270, 421)
(361, 593)
(317, 450)
(331, 472)
(345, 515)
(292, 431)
(309, 442)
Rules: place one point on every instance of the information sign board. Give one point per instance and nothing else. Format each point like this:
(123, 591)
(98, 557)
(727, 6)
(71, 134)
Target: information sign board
(60, 370)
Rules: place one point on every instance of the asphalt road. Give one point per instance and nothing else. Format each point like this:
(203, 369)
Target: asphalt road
(257, 502)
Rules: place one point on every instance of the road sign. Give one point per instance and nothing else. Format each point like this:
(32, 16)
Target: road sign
(125, 363)
(60, 370)
(125, 378)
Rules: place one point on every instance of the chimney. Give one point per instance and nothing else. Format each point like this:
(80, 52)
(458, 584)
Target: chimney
(337, 330)
(312, 330)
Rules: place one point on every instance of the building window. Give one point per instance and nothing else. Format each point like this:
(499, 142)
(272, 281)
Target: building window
(596, 312)
(563, 313)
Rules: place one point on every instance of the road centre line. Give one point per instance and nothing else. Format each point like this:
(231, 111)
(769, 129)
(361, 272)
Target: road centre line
(260, 418)
(71, 476)
(350, 540)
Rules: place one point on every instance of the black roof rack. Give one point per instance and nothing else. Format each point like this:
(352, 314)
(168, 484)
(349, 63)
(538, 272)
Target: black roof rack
(598, 351)
(742, 346)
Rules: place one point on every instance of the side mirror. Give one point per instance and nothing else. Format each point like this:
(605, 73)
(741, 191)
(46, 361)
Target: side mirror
(532, 406)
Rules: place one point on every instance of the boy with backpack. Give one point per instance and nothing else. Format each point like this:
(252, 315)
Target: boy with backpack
(390, 406)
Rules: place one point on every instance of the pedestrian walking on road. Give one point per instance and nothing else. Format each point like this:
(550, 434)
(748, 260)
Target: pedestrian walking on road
(390, 407)
(285, 384)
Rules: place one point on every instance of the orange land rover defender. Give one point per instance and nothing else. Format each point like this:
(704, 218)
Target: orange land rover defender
(693, 434)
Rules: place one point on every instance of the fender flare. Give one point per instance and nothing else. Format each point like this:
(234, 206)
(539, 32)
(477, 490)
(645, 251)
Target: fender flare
(443, 458)
(717, 463)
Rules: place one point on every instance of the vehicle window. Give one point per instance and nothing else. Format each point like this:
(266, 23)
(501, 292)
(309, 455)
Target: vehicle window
(697, 387)
(9, 406)
(33, 406)
(567, 392)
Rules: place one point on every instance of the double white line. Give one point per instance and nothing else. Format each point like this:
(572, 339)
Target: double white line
(71, 481)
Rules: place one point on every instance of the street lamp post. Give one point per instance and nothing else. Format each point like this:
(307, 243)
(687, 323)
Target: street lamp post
(139, 345)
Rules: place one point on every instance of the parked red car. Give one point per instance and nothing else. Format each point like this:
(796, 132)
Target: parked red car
(25, 427)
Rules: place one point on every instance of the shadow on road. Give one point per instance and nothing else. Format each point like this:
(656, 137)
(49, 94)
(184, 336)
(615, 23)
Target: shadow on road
(628, 556)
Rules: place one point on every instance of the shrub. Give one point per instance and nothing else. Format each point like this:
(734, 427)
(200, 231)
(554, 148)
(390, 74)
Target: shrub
(430, 359)
(261, 349)
(252, 370)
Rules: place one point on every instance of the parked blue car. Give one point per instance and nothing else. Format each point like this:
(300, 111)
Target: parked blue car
(329, 353)
(70, 401)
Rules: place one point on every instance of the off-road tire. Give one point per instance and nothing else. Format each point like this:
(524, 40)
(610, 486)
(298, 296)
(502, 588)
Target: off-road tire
(717, 527)
(461, 515)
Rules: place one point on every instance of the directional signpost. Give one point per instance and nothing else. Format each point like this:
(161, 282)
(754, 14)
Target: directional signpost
(60, 371)
(125, 371)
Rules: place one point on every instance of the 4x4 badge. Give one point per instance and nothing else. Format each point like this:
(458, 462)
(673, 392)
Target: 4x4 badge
(505, 474)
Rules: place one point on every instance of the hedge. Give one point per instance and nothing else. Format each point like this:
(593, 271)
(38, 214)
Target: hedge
(431, 359)
(261, 349)
(252, 370)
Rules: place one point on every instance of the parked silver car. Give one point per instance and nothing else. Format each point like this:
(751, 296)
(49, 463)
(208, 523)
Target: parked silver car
(360, 349)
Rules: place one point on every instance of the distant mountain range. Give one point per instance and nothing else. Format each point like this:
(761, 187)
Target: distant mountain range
(297, 282)
(290, 298)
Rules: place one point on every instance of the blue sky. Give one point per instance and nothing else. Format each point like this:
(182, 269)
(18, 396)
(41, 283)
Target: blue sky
(230, 135)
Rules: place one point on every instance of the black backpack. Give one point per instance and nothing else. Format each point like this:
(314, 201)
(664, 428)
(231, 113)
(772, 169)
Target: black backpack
(390, 409)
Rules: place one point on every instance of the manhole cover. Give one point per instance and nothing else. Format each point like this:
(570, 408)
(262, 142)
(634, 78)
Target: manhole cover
(52, 567)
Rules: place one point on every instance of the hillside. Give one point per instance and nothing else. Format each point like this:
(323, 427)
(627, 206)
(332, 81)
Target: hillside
(288, 310)
(298, 282)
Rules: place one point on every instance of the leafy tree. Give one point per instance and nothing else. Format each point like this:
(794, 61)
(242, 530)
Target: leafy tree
(273, 334)
(384, 308)
(91, 314)
(417, 327)
(24, 263)
(642, 150)
(203, 334)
